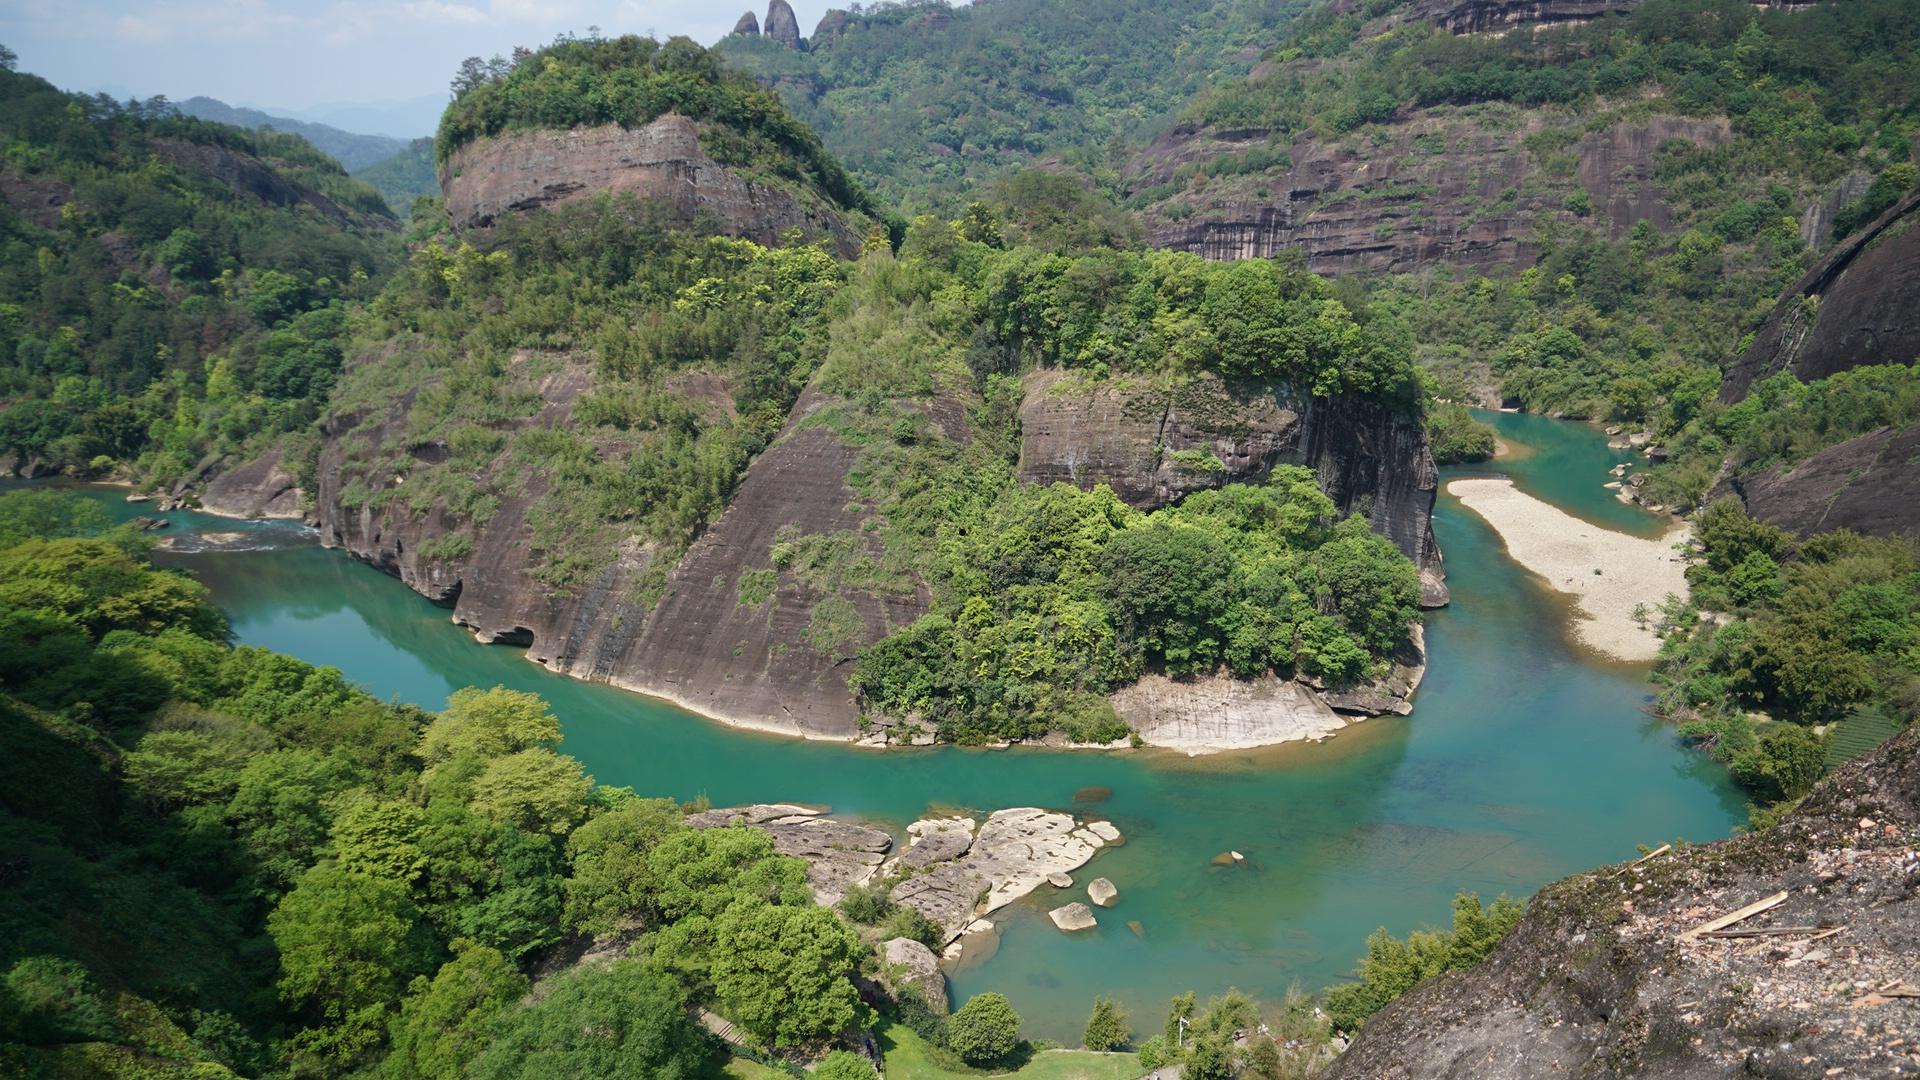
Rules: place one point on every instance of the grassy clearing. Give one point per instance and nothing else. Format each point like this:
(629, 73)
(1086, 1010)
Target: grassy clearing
(910, 1058)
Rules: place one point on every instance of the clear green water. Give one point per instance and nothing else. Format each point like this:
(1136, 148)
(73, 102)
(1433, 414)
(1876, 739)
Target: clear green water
(1523, 762)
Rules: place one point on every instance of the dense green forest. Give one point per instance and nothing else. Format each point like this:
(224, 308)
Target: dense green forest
(1792, 655)
(223, 859)
(405, 178)
(170, 288)
(926, 101)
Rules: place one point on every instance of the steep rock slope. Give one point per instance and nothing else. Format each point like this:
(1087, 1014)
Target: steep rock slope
(662, 161)
(1448, 185)
(1498, 16)
(1600, 978)
(1153, 444)
(1858, 305)
(1870, 484)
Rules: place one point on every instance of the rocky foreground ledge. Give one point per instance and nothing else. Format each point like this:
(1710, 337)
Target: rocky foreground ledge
(954, 870)
(1783, 953)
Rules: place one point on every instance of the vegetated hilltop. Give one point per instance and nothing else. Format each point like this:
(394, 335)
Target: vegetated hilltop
(720, 471)
(665, 121)
(1601, 974)
(927, 101)
(172, 290)
(354, 152)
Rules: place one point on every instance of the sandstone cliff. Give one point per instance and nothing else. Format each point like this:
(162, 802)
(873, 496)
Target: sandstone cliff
(1858, 305)
(1454, 186)
(1499, 16)
(1155, 443)
(663, 161)
(781, 26)
(760, 657)
(1870, 484)
(1601, 977)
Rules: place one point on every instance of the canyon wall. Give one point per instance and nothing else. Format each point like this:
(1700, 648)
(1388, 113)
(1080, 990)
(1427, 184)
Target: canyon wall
(1446, 185)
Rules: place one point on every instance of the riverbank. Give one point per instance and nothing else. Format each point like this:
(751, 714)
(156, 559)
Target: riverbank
(1609, 574)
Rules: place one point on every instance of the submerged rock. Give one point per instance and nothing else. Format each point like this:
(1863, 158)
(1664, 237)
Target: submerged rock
(1075, 916)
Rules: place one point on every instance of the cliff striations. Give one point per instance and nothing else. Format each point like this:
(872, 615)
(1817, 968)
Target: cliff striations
(1447, 185)
(663, 161)
(1154, 443)
(1870, 484)
(1603, 978)
(1499, 16)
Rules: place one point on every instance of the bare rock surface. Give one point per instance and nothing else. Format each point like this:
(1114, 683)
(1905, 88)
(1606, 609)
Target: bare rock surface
(1013, 854)
(839, 854)
(907, 964)
(781, 26)
(1075, 916)
(1603, 977)
(747, 26)
(261, 488)
(1220, 712)
(1102, 892)
(1870, 484)
(1449, 185)
(662, 161)
(1499, 16)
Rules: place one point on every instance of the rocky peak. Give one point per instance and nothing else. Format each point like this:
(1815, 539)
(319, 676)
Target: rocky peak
(831, 25)
(781, 25)
(748, 26)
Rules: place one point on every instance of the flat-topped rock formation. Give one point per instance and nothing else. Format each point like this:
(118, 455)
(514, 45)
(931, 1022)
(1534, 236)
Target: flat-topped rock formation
(661, 161)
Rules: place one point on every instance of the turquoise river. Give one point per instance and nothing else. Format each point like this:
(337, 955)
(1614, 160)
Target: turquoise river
(1524, 760)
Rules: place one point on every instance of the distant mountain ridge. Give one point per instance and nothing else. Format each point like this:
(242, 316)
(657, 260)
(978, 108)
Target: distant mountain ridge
(351, 150)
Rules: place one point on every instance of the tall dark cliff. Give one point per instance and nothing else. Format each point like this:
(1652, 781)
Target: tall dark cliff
(1858, 305)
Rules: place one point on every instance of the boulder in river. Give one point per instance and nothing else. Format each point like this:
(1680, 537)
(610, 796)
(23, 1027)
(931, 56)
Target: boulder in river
(1060, 881)
(1229, 858)
(1102, 892)
(1014, 853)
(1075, 916)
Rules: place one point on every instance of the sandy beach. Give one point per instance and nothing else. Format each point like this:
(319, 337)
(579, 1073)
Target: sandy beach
(1566, 551)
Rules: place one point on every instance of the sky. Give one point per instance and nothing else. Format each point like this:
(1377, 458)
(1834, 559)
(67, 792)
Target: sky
(303, 58)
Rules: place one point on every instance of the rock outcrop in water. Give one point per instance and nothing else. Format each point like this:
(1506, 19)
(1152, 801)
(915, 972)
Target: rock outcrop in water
(662, 161)
(1601, 977)
(954, 871)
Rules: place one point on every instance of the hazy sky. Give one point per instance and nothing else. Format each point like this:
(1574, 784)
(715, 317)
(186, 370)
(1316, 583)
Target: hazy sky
(299, 55)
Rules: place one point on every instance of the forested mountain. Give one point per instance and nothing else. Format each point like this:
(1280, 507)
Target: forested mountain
(354, 152)
(925, 101)
(172, 289)
(404, 177)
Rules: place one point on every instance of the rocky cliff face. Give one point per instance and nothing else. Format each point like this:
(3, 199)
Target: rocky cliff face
(1449, 185)
(782, 27)
(662, 161)
(1859, 305)
(1603, 978)
(1499, 16)
(701, 644)
(1153, 444)
(1870, 484)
